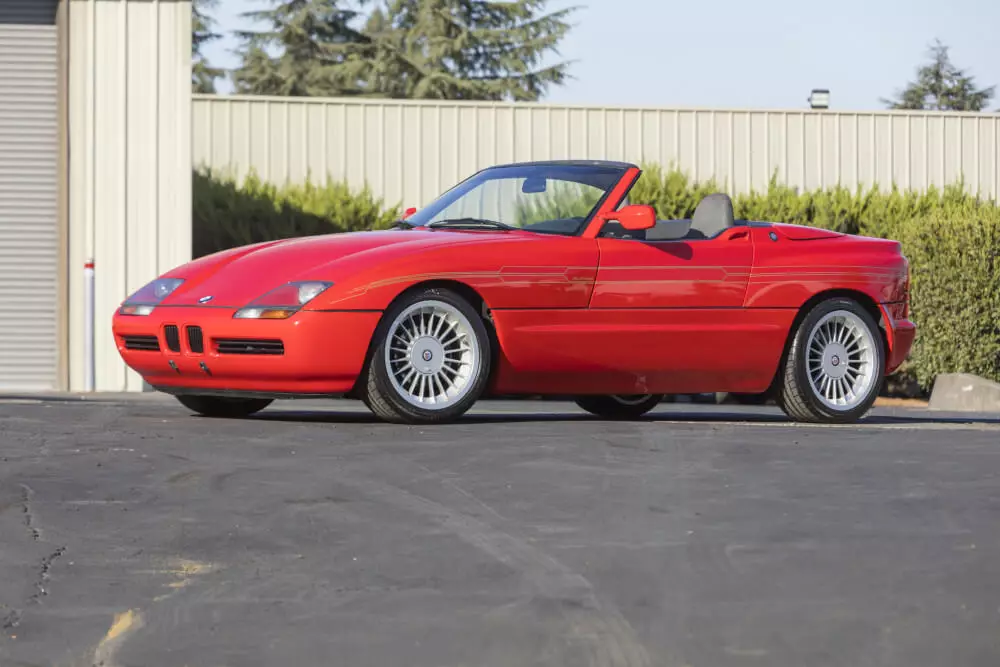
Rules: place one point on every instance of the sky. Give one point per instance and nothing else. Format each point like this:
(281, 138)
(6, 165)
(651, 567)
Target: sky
(743, 53)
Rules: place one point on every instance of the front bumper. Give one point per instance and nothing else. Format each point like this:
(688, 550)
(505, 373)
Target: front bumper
(311, 353)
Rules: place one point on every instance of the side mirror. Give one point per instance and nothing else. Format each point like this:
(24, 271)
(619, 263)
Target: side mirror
(407, 213)
(635, 217)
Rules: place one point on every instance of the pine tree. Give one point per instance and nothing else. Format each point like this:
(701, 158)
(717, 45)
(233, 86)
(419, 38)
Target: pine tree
(203, 75)
(942, 86)
(460, 50)
(301, 52)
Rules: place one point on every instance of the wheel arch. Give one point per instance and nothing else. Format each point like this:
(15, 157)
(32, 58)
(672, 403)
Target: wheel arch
(865, 300)
(467, 292)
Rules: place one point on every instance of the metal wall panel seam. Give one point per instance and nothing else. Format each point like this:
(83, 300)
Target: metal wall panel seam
(976, 157)
(909, 155)
(731, 179)
(873, 151)
(286, 167)
(62, 178)
(229, 131)
(928, 178)
(711, 142)
(961, 148)
(267, 143)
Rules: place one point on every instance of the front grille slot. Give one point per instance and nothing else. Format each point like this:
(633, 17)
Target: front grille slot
(143, 343)
(249, 346)
(196, 340)
(173, 337)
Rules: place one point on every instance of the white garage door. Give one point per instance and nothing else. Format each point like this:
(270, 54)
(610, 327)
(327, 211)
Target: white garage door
(29, 241)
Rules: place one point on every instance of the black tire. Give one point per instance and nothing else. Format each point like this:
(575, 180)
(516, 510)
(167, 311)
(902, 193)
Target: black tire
(219, 406)
(619, 407)
(797, 395)
(379, 392)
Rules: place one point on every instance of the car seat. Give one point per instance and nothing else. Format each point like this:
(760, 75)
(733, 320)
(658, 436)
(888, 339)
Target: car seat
(713, 216)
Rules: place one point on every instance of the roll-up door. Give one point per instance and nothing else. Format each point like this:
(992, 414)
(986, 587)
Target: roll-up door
(29, 230)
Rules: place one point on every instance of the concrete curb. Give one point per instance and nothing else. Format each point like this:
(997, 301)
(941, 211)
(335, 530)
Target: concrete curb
(962, 392)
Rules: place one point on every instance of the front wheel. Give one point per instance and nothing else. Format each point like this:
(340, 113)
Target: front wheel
(619, 407)
(218, 406)
(430, 359)
(835, 364)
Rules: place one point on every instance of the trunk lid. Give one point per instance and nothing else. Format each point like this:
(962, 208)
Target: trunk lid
(803, 233)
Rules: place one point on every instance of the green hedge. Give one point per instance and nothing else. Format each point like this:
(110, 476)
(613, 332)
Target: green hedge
(951, 238)
(955, 292)
(867, 212)
(230, 213)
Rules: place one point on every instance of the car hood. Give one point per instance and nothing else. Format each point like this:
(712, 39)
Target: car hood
(245, 274)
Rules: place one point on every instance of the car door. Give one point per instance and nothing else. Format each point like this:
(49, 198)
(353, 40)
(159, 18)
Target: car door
(674, 311)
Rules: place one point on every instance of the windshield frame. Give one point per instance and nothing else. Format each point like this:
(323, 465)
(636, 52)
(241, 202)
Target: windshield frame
(615, 172)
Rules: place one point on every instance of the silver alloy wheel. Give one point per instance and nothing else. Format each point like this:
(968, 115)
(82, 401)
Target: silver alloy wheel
(840, 360)
(432, 355)
(634, 399)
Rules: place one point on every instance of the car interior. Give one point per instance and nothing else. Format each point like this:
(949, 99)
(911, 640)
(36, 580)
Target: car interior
(713, 216)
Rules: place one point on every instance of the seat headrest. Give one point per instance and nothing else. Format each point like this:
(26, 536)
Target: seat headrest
(714, 214)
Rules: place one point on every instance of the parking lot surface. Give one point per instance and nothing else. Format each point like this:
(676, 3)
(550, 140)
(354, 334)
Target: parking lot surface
(527, 534)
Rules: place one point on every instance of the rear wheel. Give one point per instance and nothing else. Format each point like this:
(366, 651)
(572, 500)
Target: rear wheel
(618, 406)
(430, 361)
(218, 406)
(835, 364)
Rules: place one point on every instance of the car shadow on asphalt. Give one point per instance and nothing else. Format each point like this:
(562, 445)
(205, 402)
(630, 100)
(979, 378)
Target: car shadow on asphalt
(344, 417)
(878, 420)
(675, 416)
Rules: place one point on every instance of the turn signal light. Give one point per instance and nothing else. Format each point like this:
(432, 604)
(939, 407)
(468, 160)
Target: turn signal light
(265, 313)
(276, 314)
(143, 309)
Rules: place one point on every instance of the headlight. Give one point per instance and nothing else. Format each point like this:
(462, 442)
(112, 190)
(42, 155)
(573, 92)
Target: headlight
(147, 298)
(283, 302)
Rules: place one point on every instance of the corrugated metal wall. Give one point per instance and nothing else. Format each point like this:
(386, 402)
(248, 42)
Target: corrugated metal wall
(130, 161)
(29, 188)
(410, 151)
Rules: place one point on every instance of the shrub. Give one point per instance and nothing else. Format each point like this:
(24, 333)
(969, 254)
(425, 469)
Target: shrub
(564, 201)
(955, 292)
(670, 192)
(229, 213)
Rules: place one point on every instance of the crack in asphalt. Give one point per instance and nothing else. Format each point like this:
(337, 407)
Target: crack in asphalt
(43, 575)
(14, 617)
(29, 520)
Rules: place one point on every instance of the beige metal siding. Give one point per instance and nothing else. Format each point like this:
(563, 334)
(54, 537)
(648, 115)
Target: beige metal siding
(29, 231)
(130, 162)
(410, 151)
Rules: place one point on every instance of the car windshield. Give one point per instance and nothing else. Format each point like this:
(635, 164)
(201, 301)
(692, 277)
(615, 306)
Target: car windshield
(546, 198)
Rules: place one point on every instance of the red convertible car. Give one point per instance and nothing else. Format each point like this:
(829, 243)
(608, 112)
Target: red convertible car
(534, 279)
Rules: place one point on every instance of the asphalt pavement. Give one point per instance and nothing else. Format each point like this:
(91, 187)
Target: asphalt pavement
(527, 534)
